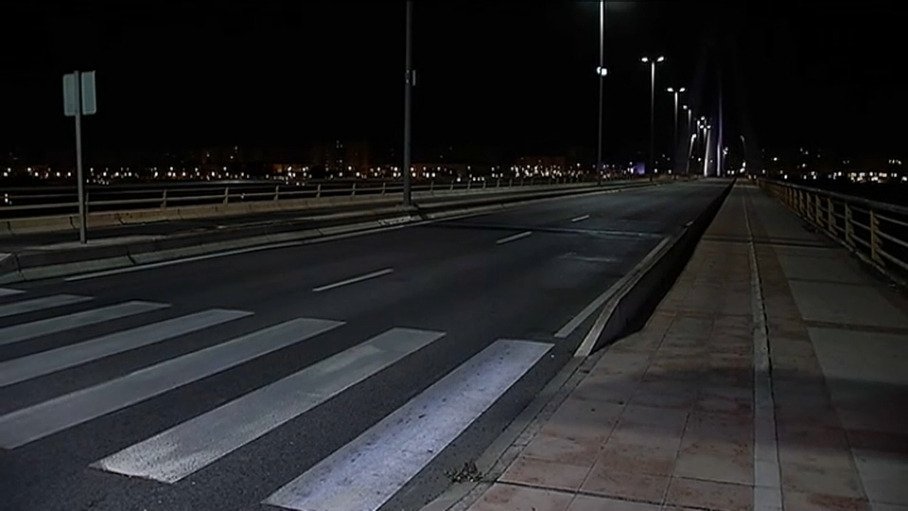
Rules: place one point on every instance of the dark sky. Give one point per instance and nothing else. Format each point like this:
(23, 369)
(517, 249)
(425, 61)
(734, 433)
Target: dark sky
(512, 78)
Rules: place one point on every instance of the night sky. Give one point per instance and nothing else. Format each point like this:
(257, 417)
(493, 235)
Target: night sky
(505, 78)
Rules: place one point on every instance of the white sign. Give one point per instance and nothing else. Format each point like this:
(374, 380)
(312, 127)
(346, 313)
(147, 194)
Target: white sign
(71, 94)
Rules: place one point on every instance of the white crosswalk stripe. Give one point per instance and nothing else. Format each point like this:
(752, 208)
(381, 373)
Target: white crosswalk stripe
(57, 324)
(38, 421)
(190, 446)
(39, 364)
(365, 473)
(7, 292)
(38, 304)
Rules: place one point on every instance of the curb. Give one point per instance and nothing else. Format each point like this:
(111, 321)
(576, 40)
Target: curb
(631, 303)
(36, 265)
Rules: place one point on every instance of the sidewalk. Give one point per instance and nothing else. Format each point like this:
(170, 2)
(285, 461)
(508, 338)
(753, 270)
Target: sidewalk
(667, 419)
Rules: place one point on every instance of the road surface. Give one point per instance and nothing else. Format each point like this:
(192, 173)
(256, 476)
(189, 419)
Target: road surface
(269, 378)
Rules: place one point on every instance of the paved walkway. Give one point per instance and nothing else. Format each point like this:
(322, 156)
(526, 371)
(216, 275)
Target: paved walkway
(686, 413)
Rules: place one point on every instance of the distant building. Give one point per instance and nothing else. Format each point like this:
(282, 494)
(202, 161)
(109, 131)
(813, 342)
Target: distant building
(341, 158)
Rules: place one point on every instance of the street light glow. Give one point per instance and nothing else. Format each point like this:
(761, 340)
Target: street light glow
(644, 59)
(660, 59)
(682, 89)
(601, 71)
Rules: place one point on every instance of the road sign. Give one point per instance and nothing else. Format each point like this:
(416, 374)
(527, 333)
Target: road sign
(89, 99)
(71, 94)
(78, 100)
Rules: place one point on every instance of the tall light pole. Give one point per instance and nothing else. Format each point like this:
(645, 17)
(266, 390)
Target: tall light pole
(690, 144)
(652, 109)
(408, 85)
(676, 92)
(601, 72)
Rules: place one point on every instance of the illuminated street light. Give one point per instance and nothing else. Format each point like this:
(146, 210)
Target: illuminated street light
(676, 92)
(652, 107)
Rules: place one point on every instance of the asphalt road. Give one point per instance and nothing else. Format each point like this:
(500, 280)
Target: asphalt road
(459, 288)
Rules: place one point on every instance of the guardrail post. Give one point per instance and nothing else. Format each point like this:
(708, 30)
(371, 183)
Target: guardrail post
(830, 218)
(849, 227)
(384, 186)
(318, 191)
(510, 182)
(875, 239)
(469, 183)
(226, 194)
(353, 189)
(483, 184)
(277, 192)
(452, 185)
(819, 213)
(498, 185)
(164, 199)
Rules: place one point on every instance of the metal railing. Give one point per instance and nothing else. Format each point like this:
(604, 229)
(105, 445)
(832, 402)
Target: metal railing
(44, 201)
(876, 231)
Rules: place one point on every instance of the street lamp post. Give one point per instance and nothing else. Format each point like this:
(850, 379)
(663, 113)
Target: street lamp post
(676, 92)
(690, 143)
(408, 85)
(652, 109)
(601, 72)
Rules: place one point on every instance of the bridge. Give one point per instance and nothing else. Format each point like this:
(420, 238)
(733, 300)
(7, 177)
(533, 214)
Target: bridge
(692, 344)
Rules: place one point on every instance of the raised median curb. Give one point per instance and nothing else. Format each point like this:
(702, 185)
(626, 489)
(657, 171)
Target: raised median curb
(37, 263)
(636, 295)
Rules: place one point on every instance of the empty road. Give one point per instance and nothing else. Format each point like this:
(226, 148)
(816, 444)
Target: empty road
(268, 379)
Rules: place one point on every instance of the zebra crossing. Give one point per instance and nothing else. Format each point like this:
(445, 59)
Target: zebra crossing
(383, 458)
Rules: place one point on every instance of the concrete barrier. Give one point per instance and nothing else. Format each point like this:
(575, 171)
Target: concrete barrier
(41, 224)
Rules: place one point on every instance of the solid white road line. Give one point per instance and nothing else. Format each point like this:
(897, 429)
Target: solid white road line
(365, 473)
(57, 324)
(354, 280)
(192, 445)
(515, 237)
(38, 421)
(38, 304)
(46, 362)
(7, 292)
(150, 266)
(580, 218)
(767, 494)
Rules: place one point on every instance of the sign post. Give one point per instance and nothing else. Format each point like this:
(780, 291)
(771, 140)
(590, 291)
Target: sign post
(79, 99)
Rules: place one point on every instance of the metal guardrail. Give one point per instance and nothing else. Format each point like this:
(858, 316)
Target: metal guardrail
(875, 231)
(44, 201)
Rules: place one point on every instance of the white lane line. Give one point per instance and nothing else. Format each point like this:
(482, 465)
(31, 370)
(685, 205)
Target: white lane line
(365, 473)
(193, 445)
(150, 266)
(354, 280)
(38, 304)
(515, 237)
(34, 329)
(767, 479)
(7, 292)
(46, 362)
(38, 421)
(580, 218)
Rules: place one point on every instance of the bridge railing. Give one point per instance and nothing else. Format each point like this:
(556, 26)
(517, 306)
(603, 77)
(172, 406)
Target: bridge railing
(876, 231)
(45, 201)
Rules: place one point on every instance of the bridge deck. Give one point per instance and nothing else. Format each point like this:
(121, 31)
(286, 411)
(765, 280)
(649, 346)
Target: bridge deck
(772, 376)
